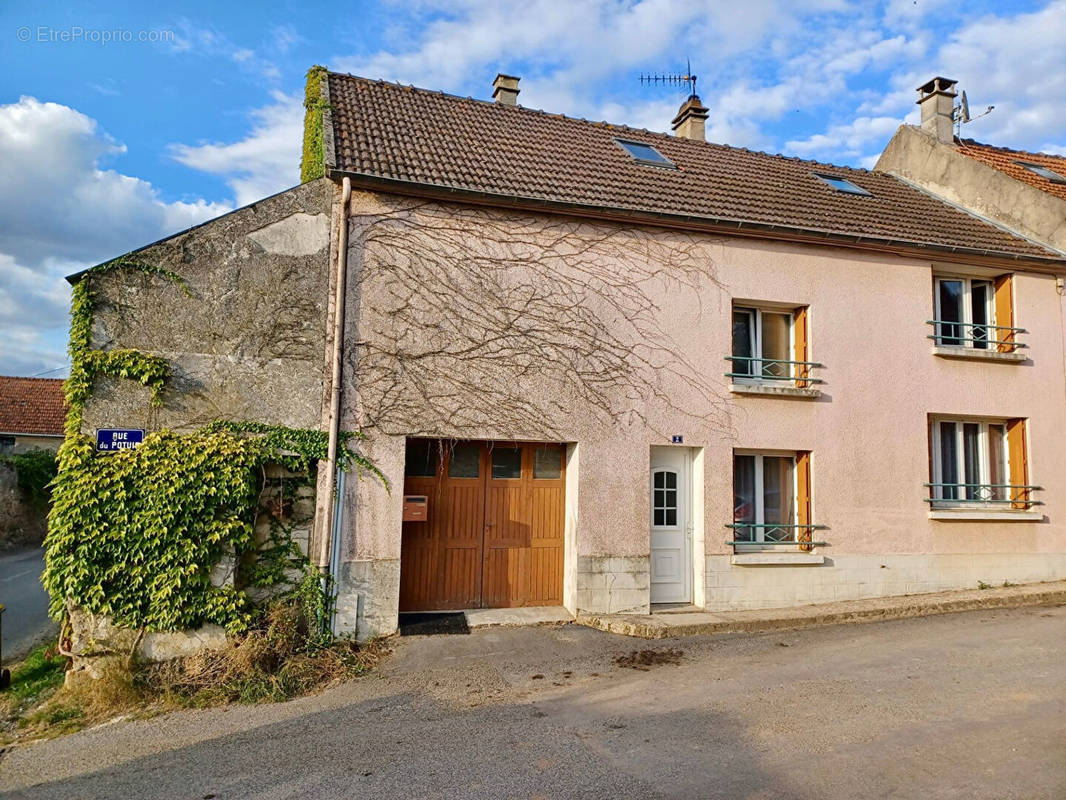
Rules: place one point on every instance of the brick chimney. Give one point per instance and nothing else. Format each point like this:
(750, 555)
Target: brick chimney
(505, 89)
(690, 122)
(937, 99)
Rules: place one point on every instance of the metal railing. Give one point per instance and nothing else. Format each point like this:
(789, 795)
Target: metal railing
(981, 334)
(1015, 493)
(794, 531)
(774, 369)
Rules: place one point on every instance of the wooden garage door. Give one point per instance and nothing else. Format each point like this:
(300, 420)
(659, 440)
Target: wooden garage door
(493, 536)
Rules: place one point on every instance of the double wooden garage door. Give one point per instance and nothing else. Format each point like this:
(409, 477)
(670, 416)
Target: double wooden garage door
(493, 535)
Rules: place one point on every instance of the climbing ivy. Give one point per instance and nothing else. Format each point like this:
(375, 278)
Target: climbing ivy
(136, 534)
(313, 161)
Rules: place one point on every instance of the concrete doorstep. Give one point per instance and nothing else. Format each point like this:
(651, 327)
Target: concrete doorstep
(695, 623)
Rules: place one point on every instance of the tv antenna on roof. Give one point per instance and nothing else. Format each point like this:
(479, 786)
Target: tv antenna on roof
(961, 113)
(672, 78)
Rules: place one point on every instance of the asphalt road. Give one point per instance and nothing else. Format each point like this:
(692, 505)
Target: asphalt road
(960, 706)
(25, 620)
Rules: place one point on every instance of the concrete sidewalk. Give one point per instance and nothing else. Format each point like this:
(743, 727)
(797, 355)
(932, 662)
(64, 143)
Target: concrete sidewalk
(694, 623)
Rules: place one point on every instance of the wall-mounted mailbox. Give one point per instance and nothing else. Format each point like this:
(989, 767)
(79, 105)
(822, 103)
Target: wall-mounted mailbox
(415, 508)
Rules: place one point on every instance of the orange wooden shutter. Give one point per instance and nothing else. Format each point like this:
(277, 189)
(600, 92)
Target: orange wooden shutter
(1019, 462)
(803, 496)
(799, 336)
(1004, 302)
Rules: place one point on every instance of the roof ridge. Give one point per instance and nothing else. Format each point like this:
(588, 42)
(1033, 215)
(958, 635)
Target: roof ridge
(604, 123)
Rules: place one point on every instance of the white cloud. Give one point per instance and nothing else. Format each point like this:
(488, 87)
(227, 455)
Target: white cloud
(61, 210)
(266, 161)
(850, 140)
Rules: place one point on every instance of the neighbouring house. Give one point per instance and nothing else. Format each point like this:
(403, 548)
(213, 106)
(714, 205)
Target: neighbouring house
(1023, 191)
(606, 369)
(32, 412)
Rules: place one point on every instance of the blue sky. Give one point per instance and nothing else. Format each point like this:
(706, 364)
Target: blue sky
(108, 145)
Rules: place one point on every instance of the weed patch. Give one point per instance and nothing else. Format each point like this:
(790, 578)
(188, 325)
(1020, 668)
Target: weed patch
(644, 660)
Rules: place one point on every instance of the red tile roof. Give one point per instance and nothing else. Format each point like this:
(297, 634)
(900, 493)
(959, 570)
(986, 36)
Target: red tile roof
(32, 405)
(402, 135)
(1005, 160)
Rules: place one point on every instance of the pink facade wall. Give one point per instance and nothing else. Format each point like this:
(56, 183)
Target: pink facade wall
(868, 431)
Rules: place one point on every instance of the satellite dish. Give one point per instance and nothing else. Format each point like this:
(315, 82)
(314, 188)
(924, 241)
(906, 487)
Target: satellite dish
(965, 107)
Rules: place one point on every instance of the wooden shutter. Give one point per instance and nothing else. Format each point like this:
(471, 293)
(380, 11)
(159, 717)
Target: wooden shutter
(799, 336)
(1004, 303)
(1019, 462)
(803, 497)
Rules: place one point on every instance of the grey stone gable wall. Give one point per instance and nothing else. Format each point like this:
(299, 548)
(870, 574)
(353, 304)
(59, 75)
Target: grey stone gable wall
(249, 343)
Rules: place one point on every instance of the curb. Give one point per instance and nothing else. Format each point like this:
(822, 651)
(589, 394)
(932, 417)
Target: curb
(663, 626)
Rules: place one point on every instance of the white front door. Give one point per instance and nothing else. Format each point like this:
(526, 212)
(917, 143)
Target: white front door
(670, 516)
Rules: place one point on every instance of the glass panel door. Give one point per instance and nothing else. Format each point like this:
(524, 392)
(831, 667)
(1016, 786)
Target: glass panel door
(981, 314)
(971, 448)
(776, 345)
(949, 462)
(744, 340)
(997, 461)
(744, 496)
(778, 501)
(949, 310)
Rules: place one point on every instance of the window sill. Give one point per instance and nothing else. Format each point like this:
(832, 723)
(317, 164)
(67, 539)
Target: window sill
(774, 391)
(985, 515)
(776, 559)
(973, 354)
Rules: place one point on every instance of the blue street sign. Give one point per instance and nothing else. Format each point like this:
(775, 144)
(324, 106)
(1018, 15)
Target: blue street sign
(111, 439)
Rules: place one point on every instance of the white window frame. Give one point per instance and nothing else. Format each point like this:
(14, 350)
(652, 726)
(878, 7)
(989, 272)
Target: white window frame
(755, 331)
(984, 465)
(677, 499)
(967, 313)
(760, 511)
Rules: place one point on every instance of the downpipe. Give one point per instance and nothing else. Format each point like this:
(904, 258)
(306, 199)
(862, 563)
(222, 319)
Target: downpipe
(328, 550)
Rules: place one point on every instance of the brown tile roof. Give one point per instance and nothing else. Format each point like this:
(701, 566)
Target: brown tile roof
(32, 405)
(399, 133)
(1004, 160)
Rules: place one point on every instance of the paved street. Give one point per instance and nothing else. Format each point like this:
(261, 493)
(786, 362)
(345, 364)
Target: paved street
(959, 706)
(26, 619)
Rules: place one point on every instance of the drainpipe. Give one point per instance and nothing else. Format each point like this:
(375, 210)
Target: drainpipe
(325, 554)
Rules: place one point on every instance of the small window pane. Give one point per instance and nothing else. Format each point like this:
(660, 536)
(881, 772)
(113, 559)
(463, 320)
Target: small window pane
(743, 340)
(659, 517)
(743, 496)
(659, 499)
(660, 480)
(949, 461)
(671, 480)
(950, 294)
(671, 516)
(980, 302)
(971, 454)
(547, 463)
(842, 184)
(775, 345)
(421, 459)
(506, 463)
(997, 461)
(778, 498)
(465, 460)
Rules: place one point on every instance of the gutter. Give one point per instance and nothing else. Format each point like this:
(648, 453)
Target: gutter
(735, 227)
(324, 549)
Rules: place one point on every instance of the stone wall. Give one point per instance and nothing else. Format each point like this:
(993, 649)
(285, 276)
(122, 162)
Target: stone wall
(249, 341)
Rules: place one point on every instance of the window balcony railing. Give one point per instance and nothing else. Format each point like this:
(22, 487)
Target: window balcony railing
(772, 369)
(773, 533)
(955, 494)
(976, 335)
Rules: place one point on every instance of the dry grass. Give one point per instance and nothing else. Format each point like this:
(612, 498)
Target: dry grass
(274, 662)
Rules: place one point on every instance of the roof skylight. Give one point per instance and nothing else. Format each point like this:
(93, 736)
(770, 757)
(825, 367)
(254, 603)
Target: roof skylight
(841, 184)
(645, 153)
(1043, 172)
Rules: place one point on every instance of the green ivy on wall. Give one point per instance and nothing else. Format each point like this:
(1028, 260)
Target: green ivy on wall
(135, 534)
(313, 161)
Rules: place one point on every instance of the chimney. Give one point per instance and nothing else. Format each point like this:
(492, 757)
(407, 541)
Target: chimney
(937, 99)
(505, 89)
(690, 120)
